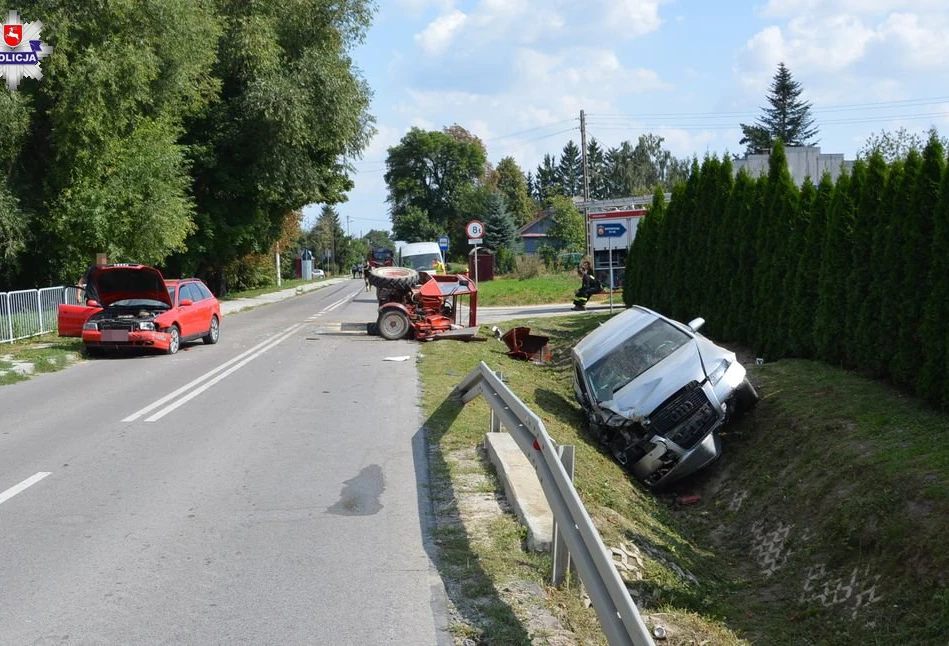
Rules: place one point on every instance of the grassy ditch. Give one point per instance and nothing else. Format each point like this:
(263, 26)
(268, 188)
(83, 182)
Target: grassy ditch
(821, 523)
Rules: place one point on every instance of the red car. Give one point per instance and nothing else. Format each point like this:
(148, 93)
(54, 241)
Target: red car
(133, 306)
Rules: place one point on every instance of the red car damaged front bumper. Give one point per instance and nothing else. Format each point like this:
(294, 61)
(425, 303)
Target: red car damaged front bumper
(126, 339)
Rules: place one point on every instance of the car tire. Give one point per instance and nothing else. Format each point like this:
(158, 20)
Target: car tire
(93, 352)
(394, 325)
(175, 343)
(214, 332)
(745, 398)
(393, 277)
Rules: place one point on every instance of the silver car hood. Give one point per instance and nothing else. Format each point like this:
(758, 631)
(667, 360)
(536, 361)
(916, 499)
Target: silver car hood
(642, 395)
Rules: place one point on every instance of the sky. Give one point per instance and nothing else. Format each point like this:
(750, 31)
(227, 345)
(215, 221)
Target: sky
(517, 73)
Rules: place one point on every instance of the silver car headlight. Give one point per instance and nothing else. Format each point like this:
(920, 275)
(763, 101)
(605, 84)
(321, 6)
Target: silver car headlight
(146, 325)
(716, 375)
(90, 325)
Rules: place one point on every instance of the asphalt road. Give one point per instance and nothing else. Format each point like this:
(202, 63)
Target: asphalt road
(270, 489)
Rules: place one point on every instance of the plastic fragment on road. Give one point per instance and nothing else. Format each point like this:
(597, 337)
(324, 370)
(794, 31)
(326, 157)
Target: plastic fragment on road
(403, 358)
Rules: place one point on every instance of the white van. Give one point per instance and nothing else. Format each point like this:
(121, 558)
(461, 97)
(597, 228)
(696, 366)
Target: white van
(421, 256)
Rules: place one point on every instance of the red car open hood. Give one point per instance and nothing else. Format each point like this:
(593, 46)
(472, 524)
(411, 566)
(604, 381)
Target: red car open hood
(114, 283)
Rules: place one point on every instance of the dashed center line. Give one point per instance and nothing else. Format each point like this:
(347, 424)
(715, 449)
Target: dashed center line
(197, 386)
(26, 484)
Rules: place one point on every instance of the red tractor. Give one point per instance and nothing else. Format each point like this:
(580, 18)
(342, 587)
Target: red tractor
(423, 305)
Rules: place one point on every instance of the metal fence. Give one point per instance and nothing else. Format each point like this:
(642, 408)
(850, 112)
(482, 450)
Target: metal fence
(32, 312)
(619, 617)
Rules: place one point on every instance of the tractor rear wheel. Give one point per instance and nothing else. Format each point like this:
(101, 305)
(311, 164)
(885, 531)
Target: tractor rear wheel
(393, 277)
(394, 325)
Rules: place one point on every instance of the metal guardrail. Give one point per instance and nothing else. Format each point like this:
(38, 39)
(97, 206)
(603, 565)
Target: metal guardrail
(619, 617)
(32, 312)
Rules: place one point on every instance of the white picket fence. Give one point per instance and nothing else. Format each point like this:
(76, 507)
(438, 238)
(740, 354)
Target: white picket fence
(32, 312)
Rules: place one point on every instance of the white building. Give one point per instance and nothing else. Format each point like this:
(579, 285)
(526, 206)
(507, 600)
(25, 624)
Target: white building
(803, 161)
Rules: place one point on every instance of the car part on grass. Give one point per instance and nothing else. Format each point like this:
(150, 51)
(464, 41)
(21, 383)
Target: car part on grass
(656, 393)
(423, 305)
(526, 346)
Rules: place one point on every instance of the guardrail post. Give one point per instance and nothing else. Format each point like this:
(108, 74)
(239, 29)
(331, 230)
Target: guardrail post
(558, 549)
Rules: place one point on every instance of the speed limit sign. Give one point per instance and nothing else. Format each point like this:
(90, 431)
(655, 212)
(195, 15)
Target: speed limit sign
(474, 231)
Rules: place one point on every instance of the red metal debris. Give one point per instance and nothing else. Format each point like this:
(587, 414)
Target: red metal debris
(527, 346)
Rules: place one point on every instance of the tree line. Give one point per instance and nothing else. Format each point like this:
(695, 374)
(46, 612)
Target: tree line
(186, 134)
(853, 272)
(439, 180)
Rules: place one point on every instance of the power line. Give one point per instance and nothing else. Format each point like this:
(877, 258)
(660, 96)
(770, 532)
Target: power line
(877, 105)
(521, 132)
(674, 125)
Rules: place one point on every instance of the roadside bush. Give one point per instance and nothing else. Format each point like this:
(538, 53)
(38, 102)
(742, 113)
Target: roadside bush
(549, 255)
(529, 267)
(505, 261)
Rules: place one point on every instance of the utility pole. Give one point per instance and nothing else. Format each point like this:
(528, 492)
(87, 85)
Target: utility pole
(348, 220)
(586, 181)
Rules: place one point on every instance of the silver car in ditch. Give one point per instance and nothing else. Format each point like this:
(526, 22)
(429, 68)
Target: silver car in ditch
(656, 392)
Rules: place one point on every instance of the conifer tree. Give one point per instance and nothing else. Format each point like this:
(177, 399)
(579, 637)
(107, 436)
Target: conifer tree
(640, 261)
(683, 268)
(702, 223)
(862, 303)
(807, 274)
(756, 202)
(792, 320)
(788, 119)
(916, 263)
(667, 249)
(834, 271)
(933, 382)
(718, 247)
(772, 239)
(904, 179)
(499, 230)
(739, 203)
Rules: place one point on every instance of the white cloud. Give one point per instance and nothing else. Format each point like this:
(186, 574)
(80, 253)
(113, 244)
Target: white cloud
(417, 7)
(921, 42)
(529, 22)
(439, 33)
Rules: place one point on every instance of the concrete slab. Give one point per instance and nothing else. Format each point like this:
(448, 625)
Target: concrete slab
(522, 489)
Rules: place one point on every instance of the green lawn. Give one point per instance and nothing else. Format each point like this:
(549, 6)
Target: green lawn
(541, 290)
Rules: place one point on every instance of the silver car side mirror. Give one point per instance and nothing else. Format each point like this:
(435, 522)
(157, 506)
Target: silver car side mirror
(695, 324)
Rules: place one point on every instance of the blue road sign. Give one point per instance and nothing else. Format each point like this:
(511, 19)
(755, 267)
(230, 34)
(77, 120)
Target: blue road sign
(443, 243)
(610, 230)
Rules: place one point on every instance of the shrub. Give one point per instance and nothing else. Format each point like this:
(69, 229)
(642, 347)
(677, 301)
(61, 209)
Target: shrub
(528, 267)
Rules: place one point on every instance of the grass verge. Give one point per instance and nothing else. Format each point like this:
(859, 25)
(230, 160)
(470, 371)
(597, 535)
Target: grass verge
(539, 290)
(48, 353)
(822, 523)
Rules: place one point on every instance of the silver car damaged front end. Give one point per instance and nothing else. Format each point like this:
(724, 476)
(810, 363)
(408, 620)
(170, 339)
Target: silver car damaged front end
(663, 425)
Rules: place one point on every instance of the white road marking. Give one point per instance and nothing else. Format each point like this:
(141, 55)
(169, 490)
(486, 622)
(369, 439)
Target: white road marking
(26, 484)
(200, 389)
(225, 369)
(164, 400)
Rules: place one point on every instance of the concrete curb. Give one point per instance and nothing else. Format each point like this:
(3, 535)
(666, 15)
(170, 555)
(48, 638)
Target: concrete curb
(522, 489)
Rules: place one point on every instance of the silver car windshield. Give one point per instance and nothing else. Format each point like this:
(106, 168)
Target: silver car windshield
(634, 356)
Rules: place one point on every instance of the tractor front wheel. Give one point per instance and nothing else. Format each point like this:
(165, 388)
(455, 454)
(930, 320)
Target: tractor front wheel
(394, 325)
